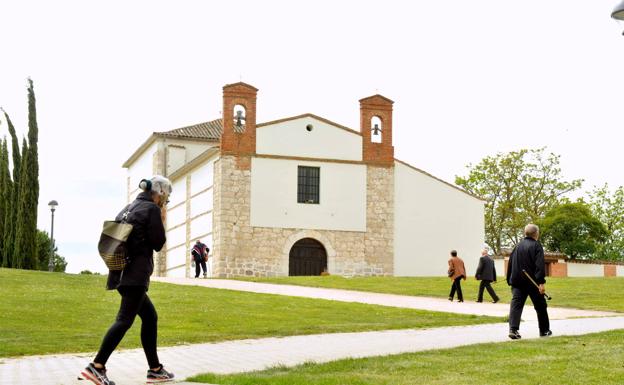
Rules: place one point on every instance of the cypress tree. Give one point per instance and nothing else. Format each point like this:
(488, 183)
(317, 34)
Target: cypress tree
(21, 209)
(5, 195)
(11, 213)
(26, 236)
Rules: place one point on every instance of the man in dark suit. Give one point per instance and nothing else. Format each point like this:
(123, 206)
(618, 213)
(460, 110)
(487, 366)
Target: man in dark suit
(527, 256)
(486, 273)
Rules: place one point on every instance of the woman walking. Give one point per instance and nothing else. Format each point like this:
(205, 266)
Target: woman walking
(147, 236)
(456, 272)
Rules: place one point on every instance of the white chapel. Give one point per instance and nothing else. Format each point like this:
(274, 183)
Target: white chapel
(303, 195)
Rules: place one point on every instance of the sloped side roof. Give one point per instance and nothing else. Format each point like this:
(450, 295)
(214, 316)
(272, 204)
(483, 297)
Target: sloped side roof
(208, 130)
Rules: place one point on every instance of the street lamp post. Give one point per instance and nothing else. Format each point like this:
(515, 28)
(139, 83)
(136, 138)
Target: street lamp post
(52, 206)
(618, 12)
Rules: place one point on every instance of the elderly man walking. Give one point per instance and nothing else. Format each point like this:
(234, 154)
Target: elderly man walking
(486, 273)
(527, 258)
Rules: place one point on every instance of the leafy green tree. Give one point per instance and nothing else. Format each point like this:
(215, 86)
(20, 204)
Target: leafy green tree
(571, 228)
(10, 217)
(519, 187)
(608, 207)
(5, 196)
(26, 234)
(43, 253)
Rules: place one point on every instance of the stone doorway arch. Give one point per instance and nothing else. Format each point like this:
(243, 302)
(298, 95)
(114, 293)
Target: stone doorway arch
(307, 257)
(315, 235)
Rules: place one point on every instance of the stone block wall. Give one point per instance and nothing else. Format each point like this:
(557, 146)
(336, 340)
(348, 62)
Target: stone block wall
(243, 250)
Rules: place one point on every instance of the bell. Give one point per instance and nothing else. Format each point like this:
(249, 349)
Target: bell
(376, 129)
(618, 11)
(239, 117)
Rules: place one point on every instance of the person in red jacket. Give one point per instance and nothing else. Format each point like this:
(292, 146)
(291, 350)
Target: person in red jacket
(456, 272)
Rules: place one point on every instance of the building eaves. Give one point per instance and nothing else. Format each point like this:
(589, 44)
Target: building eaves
(439, 180)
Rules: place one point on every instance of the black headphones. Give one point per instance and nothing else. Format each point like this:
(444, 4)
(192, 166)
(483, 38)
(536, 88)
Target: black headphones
(145, 185)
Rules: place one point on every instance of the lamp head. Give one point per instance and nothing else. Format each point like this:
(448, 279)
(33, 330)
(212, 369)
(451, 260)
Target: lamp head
(52, 204)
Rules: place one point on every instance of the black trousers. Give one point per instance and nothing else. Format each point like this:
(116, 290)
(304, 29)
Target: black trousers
(519, 296)
(134, 301)
(486, 285)
(203, 266)
(457, 286)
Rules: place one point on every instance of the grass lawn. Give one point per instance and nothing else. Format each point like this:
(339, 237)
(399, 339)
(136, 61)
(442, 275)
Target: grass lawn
(589, 359)
(583, 293)
(45, 313)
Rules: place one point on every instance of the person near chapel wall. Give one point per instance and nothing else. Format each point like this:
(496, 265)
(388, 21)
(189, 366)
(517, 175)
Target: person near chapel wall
(456, 272)
(486, 273)
(199, 253)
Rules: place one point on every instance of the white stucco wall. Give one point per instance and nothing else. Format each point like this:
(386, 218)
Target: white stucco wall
(178, 193)
(499, 264)
(140, 169)
(192, 148)
(176, 216)
(176, 257)
(431, 219)
(619, 271)
(274, 196)
(585, 270)
(325, 141)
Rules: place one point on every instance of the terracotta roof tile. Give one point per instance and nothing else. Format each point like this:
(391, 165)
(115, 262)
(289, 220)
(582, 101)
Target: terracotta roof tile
(208, 130)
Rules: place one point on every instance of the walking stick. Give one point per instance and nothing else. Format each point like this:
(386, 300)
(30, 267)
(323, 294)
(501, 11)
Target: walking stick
(536, 285)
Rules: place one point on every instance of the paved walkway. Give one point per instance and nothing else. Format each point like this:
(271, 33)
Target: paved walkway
(128, 367)
(404, 301)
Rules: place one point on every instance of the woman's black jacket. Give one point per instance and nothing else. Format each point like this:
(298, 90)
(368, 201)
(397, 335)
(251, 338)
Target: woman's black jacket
(147, 236)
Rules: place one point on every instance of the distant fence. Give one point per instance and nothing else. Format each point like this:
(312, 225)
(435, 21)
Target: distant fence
(560, 265)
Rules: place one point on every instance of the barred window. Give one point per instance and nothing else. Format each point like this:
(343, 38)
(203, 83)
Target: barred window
(308, 184)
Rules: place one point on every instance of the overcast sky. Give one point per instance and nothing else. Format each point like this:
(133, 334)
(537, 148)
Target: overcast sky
(469, 79)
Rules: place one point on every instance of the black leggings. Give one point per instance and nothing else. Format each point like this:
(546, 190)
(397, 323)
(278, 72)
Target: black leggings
(457, 286)
(134, 301)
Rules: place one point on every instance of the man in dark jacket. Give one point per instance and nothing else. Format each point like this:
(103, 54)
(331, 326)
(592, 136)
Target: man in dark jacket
(486, 272)
(527, 256)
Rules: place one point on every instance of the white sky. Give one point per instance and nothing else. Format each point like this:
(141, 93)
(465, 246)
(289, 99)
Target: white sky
(469, 79)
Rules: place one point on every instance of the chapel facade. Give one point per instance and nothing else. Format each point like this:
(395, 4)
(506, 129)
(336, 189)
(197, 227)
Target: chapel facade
(302, 196)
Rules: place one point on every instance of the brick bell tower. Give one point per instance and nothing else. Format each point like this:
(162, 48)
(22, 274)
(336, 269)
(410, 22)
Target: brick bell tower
(376, 129)
(239, 120)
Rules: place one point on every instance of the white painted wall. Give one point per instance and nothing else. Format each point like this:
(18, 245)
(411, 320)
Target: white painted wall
(432, 218)
(585, 270)
(325, 141)
(176, 158)
(202, 176)
(141, 168)
(180, 272)
(176, 216)
(176, 257)
(176, 237)
(178, 193)
(619, 271)
(201, 225)
(201, 203)
(499, 264)
(193, 148)
(274, 196)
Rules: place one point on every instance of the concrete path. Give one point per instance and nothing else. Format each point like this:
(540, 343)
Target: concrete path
(404, 301)
(128, 367)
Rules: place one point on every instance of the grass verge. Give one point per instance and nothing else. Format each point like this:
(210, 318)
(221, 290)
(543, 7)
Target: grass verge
(590, 359)
(46, 313)
(582, 293)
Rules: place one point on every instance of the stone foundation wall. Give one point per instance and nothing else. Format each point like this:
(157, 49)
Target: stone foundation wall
(243, 250)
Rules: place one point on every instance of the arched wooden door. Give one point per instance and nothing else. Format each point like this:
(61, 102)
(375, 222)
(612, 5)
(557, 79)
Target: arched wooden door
(307, 257)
